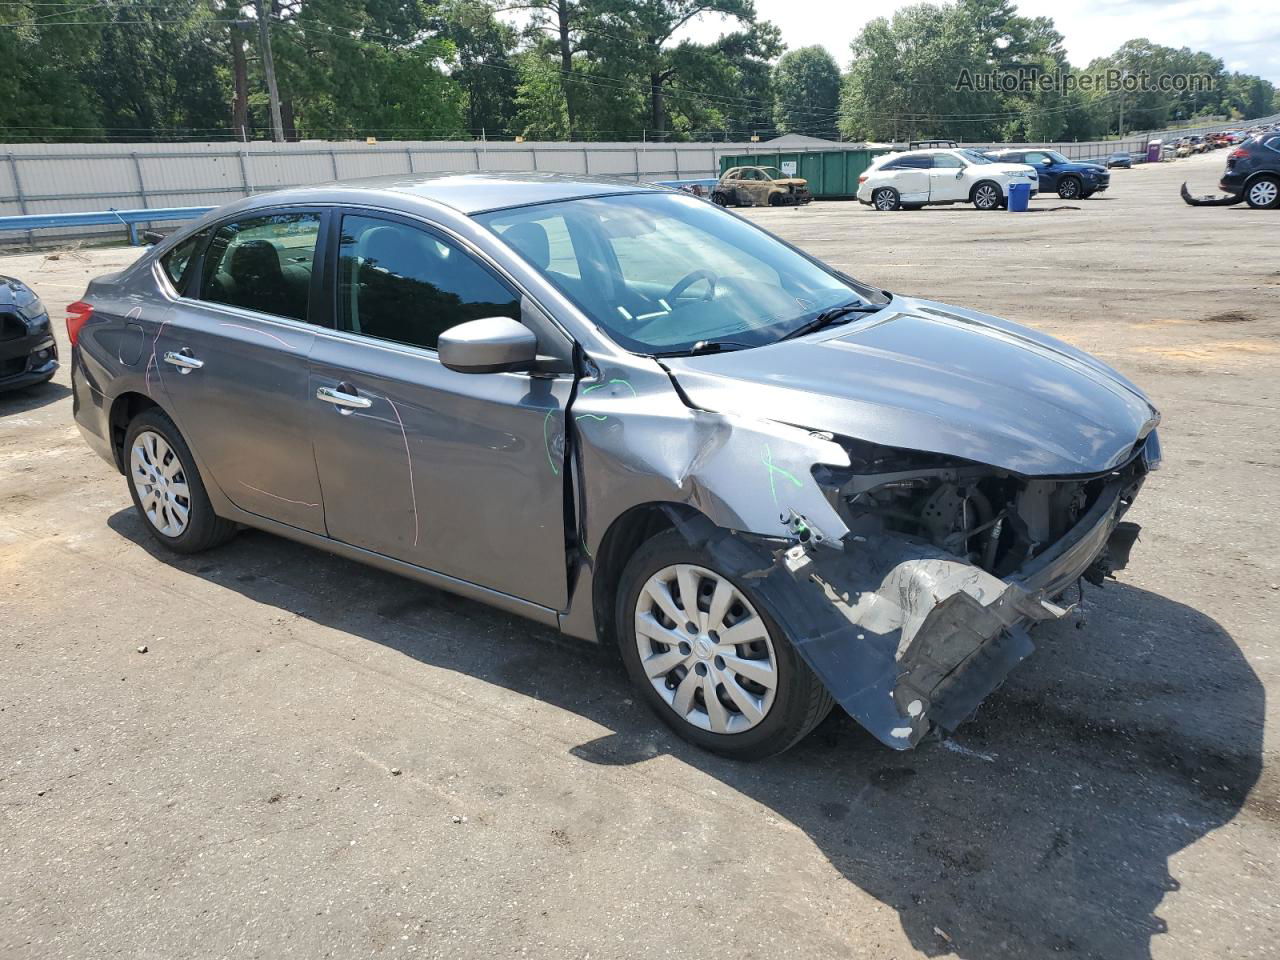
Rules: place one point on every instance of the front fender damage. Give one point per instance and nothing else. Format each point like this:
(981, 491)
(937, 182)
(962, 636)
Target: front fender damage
(905, 635)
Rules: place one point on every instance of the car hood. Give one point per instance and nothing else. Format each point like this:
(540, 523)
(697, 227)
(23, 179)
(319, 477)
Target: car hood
(1083, 168)
(926, 376)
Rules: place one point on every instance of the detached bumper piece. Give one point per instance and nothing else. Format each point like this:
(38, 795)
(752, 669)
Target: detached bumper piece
(1209, 200)
(907, 636)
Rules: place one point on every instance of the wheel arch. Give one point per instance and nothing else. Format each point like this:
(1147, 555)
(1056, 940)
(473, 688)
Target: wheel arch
(124, 408)
(621, 540)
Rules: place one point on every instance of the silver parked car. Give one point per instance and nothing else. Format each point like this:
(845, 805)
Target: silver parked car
(623, 411)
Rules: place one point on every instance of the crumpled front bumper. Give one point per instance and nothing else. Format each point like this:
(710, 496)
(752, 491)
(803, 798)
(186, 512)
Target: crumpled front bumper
(907, 636)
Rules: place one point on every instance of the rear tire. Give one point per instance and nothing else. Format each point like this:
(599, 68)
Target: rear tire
(166, 487)
(1263, 193)
(719, 199)
(885, 198)
(676, 670)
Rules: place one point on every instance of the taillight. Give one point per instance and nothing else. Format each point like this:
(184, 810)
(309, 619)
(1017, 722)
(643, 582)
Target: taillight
(862, 179)
(78, 315)
(1239, 153)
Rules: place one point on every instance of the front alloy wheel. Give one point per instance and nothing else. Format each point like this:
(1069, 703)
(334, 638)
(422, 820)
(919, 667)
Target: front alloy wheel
(986, 196)
(1069, 188)
(705, 649)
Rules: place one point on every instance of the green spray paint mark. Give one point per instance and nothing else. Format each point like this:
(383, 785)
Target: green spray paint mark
(598, 386)
(546, 439)
(767, 460)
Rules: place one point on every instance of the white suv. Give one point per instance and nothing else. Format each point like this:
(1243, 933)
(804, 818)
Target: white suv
(908, 181)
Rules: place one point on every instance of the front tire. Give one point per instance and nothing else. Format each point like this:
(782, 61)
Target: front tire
(885, 198)
(708, 658)
(166, 487)
(1069, 188)
(987, 196)
(1263, 193)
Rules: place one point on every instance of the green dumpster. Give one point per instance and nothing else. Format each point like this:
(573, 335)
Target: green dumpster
(832, 174)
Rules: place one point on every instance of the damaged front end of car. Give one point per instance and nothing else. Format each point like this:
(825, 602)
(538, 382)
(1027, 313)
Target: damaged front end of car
(945, 566)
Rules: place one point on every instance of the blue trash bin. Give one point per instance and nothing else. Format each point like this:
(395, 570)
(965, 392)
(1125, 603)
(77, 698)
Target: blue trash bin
(1019, 197)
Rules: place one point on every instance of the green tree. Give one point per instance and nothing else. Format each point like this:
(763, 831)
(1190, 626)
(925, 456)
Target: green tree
(806, 92)
(918, 75)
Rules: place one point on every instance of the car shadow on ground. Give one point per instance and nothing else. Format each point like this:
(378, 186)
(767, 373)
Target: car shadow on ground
(1047, 825)
(32, 398)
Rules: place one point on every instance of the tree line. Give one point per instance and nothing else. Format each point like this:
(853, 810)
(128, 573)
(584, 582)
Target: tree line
(85, 70)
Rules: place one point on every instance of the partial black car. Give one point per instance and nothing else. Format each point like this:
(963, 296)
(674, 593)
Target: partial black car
(28, 352)
(1253, 170)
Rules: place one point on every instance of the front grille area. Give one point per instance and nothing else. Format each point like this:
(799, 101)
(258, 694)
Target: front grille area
(11, 327)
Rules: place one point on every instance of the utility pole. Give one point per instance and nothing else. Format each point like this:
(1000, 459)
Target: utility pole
(1123, 75)
(269, 69)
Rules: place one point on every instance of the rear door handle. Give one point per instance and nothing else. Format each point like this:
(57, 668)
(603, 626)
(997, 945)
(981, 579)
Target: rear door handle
(183, 361)
(344, 401)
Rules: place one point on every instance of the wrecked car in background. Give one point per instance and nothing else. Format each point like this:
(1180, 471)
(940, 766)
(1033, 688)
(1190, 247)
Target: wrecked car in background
(621, 411)
(28, 352)
(760, 186)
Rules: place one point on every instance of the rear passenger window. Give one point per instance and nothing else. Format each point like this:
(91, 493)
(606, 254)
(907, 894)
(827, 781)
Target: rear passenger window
(263, 263)
(400, 283)
(176, 261)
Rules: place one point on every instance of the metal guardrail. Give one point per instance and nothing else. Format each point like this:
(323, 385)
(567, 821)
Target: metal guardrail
(131, 219)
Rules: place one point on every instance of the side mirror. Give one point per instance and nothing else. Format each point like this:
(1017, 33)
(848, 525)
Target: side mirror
(490, 345)
(1046, 162)
(960, 174)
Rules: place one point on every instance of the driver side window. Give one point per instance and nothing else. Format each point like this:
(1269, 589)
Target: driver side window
(945, 161)
(401, 283)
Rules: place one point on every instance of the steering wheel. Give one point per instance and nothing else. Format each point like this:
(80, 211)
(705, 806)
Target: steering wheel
(688, 280)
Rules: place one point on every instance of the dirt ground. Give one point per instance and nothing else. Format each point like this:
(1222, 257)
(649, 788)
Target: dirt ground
(233, 792)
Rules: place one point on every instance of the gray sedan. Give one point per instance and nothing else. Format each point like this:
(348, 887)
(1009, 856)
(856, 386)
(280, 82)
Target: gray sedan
(625, 412)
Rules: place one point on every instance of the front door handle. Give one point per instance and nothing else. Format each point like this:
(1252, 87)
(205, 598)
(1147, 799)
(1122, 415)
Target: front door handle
(345, 402)
(183, 361)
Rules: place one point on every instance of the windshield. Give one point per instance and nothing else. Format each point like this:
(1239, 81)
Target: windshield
(1056, 156)
(773, 173)
(973, 156)
(661, 272)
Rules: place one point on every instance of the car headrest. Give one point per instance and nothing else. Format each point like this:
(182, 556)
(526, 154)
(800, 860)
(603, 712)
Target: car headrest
(402, 252)
(531, 240)
(254, 262)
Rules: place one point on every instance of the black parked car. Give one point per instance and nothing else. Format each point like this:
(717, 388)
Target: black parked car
(28, 353)
(1253, 169)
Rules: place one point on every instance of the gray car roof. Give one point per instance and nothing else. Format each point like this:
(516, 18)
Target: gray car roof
(470, 193)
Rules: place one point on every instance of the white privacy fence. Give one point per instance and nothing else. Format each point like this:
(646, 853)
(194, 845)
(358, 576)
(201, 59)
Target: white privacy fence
(48, 178)
(72, 177)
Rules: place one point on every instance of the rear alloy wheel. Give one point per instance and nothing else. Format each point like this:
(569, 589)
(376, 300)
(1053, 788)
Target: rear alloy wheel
(1069, 188)
(886, 198)
(1263, 194)
(987, 196)
(166, 487)
(708, 658)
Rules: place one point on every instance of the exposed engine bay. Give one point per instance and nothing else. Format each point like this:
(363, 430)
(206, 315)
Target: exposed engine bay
(994, 519)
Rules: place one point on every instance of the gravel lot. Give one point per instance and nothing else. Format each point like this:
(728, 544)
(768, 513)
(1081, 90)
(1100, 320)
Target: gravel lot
(233, 792)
